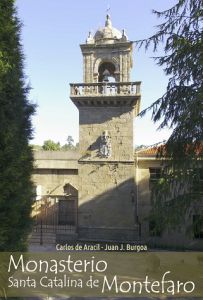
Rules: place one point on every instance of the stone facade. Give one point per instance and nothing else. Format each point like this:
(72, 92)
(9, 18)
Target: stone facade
(106, 191)
(183, 236)
(118, 121)
(108, 206)
(105, 184)
(121, 57)
(53, 170)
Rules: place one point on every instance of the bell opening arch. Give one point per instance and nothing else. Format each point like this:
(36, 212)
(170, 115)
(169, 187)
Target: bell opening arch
(102, 66)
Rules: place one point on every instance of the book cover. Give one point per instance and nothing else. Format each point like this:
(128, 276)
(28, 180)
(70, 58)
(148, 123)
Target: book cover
(116, 205)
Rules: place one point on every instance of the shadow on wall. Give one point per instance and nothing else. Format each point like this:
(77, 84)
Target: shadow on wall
(100, 115)
(111, 215)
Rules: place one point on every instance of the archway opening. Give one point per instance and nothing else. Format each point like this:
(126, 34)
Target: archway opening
(106, 72)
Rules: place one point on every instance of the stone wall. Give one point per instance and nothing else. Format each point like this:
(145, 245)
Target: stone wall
(105, 195)
(106, 183)
(179, 238)
(54, 169)
(119, 123)
(144, 192)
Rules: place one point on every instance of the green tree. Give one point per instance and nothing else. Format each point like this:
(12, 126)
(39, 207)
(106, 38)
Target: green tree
(70, 144)
(50, 145)
(15, 131)
(70, 141)
(181, 106)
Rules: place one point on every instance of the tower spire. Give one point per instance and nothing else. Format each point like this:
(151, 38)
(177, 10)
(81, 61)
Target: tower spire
(108, 22)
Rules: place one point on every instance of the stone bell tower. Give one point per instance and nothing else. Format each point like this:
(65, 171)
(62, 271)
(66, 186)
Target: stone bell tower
(107, 102)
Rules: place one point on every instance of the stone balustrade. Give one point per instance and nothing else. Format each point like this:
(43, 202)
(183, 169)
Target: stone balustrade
(105, 89)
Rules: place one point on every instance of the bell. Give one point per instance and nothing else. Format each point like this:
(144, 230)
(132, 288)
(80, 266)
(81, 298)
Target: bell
(106, 78)
(106, 75)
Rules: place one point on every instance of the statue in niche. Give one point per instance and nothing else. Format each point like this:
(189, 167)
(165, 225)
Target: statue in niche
(105, 145)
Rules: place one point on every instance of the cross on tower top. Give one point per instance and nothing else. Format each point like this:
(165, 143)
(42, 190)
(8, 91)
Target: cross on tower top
(108, 9)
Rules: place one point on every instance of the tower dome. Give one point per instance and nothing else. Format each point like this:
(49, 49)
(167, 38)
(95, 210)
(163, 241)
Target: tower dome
(107, 34)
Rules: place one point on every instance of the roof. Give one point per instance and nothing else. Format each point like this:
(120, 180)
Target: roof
(107, 34)
(152, 151)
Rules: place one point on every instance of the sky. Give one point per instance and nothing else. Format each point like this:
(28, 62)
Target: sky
(51, 34)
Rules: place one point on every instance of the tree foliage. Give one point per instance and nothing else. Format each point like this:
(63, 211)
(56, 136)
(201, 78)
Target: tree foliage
(15, 131)
(181, 106)
(50, 145)
(70, 144)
